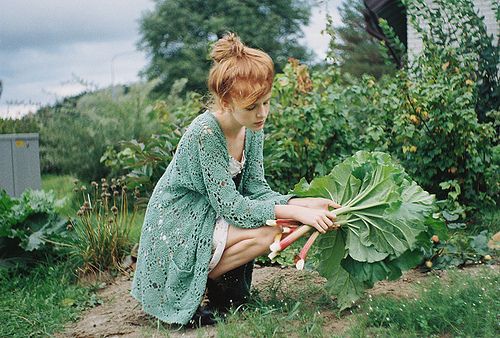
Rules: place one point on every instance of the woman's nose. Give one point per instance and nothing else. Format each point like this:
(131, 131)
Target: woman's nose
(262, 111)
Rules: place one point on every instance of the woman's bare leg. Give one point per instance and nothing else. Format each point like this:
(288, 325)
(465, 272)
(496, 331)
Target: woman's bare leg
(242, 246)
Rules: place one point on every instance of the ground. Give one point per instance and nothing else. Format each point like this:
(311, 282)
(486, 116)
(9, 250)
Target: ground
(120, 315)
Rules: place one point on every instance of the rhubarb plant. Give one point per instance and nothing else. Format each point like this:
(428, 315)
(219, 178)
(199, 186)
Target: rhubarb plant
(383, 212)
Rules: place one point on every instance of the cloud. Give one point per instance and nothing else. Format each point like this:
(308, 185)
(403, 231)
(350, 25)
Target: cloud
(44, 44)
(43, 76)
(50, 24)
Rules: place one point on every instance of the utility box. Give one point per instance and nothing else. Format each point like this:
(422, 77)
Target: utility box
(19, 163)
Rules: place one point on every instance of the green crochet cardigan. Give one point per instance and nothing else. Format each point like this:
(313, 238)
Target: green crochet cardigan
(176, 239)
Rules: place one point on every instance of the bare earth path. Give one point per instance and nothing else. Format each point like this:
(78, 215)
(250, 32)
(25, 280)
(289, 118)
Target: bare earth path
(120, 315)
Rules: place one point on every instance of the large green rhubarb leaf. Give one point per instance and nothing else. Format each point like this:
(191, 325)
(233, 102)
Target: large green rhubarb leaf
(339, 281)
(383, 211)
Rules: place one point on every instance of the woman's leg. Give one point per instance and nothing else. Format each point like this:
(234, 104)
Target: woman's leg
(242, 246)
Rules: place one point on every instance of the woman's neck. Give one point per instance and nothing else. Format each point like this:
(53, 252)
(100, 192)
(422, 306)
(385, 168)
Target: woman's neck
(230, 127)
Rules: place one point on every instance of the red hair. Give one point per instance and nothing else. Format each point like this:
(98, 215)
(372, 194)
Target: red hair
(240, 74)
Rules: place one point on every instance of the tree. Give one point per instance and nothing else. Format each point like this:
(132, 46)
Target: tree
(359, 52)
(177, 34)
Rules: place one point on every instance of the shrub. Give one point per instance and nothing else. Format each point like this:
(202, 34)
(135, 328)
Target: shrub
(307, 133)
(75, 133)
(143, 163)
(26, 124)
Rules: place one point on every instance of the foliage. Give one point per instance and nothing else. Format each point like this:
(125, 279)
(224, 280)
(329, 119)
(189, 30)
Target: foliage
(143, 163)
(449, 244)
(426, 116)
(26, 124)
(39, 302)
(75, 133)
(305, 127)
(358, 52)
(176, 34)
(101, 231)
(437, 133)
(464, 306)
(383, 211)
(27, 226)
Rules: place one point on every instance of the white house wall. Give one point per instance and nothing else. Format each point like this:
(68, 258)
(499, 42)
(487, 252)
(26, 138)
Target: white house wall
(485, 9)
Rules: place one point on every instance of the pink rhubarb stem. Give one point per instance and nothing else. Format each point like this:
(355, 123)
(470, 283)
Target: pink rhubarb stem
(301, 258)
(284, 243)
(288, 230)
(283, 221)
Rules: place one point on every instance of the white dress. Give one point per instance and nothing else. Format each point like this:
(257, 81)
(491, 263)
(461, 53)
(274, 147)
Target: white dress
(221, 225)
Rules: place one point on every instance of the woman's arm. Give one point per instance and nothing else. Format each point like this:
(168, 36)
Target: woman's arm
(320, 219)
(314, 202)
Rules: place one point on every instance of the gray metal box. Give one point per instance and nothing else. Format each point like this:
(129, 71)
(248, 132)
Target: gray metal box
(19, 163)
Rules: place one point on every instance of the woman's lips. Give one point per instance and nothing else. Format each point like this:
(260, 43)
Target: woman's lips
(258, 124)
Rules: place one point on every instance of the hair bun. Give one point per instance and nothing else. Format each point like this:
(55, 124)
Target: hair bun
(228, 46)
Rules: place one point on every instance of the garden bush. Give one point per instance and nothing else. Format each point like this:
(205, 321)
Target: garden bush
(74, 134)
(143, 162)
(26, 124)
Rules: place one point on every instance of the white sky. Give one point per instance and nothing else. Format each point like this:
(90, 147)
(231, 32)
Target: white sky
(46, 46)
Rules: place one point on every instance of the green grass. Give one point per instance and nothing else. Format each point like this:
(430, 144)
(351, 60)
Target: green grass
(135, 231)
(298, 312)
(464, 306)
(62, 186)
(42, 301)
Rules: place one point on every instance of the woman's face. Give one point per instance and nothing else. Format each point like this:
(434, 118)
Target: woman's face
(253, 116)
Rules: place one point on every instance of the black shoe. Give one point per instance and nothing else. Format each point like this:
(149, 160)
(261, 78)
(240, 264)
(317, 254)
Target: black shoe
(202, 317)
(232, 289)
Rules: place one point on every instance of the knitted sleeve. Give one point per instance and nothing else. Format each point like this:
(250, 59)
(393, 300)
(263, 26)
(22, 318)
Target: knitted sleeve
(222, 193)
(257, 187)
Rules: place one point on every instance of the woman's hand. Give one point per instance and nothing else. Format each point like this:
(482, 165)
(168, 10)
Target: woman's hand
(314, 203)
(321, 219)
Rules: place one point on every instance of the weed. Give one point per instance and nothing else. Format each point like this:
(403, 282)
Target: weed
(101, 232)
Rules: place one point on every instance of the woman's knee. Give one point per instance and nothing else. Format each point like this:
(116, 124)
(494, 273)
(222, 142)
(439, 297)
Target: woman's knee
(267, 236)
(262, 236)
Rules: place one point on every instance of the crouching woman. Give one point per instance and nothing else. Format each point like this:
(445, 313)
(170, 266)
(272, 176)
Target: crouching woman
(205, 221)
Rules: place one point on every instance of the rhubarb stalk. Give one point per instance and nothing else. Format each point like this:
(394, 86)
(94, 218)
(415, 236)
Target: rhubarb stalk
(284, 243)
(283, 221)
(288, 230)
(277, 239)
(301, 258)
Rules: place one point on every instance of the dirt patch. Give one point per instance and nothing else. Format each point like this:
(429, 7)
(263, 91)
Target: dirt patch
(120, 315)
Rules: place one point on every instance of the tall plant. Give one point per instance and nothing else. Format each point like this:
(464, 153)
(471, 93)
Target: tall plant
(101, 230)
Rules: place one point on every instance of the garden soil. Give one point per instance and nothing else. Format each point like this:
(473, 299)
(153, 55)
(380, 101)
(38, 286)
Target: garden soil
(120, 315)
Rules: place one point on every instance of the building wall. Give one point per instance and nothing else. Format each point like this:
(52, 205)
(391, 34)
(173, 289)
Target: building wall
(485, 9)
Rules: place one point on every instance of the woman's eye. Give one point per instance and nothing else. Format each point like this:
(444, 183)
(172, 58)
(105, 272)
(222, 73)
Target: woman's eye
(251, 107)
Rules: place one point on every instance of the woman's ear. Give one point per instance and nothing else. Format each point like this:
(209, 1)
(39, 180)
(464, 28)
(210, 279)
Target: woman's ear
(226, 105)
